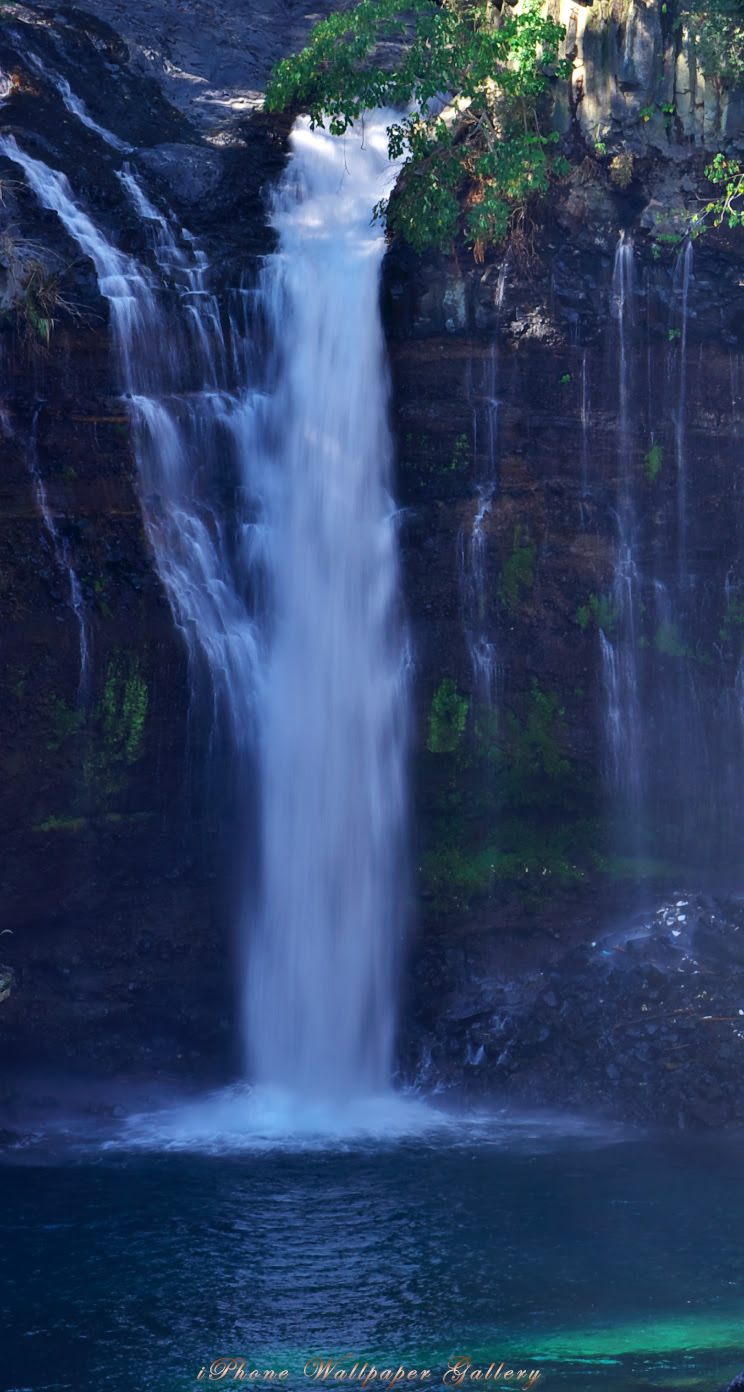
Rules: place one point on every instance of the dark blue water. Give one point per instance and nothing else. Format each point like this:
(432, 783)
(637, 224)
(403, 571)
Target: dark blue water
(617, 1266)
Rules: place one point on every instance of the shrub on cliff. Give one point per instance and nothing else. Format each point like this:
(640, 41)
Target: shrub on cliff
(471, 79)
(718, 30)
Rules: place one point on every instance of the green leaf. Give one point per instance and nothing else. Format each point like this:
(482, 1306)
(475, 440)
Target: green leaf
(464, 174)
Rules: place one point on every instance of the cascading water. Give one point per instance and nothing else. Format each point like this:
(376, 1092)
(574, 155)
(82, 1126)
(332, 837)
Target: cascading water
(177, 431)
(292, 600)
(471, 543)
(619, 657)
(320, 999)
(60, 551)
(74, 104)
(682, 276)
(585, 418)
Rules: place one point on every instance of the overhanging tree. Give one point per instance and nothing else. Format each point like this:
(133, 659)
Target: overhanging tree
(472, 81)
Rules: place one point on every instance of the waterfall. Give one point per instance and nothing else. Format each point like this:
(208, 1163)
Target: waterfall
(61, 554)
(472, 574)
(585, 422)
(181, 431)
(471, 542)
(289, 599)
(320, 989)
(681, 286)
(75, 105)
(619, 656)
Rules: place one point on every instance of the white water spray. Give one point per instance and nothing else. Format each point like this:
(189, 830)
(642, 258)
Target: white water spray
(320, 1005)
(682, 277)
(619, 659)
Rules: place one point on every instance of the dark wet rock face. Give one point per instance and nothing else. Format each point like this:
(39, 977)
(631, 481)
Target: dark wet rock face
(190, 172)
(211, 61)
(643, 1023)
(545, 423)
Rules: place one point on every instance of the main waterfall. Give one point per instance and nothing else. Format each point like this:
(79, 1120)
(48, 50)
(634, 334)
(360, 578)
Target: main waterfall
(289, 600)
(319, 1001)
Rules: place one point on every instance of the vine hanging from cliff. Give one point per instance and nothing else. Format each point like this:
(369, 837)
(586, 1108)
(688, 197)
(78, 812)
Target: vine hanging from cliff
(471, 80)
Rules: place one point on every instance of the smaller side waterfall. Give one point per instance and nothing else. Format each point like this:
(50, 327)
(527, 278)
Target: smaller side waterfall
(585, 420)
(682, 277)
(471, 558)
(185, 425)
(619, 650)
(60, 550)
(472, 542)
(75, 105)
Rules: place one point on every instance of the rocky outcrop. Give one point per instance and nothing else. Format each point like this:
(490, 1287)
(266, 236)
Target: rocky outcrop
(638, 82)
(211, 62)
(644, 1022)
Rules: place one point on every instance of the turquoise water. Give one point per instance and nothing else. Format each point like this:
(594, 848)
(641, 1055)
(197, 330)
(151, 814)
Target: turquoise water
(603, 1264)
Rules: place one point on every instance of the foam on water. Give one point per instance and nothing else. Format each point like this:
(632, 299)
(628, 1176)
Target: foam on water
(242, 1118)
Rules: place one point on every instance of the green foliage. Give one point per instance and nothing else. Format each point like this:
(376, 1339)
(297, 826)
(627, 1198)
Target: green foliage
(449, 712)
(460, 461)
(729, 173)
(118, 726)
(601, 610)
(534, 762)
(61, 824)
(733, 618)
(717, 32)
(506, 804)
(465, 168)
(40, 299)
(653, 461)
(523, 857)
(124, 710)
(517, 574)
(668, 642)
